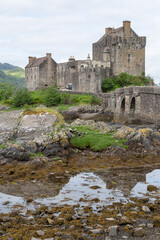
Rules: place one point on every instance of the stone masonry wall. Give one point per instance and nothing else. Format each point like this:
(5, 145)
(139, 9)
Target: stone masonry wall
(85, 76)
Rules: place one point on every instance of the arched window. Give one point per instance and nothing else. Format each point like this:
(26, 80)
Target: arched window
(133, 104)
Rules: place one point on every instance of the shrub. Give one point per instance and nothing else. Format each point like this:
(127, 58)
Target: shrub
(94, 100)
(124, 79)
(22, 97)
(52, 97)
(6, 91)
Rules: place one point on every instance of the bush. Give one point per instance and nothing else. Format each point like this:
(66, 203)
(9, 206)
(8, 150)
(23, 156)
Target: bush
(22, 97)
(6, 91)
(52, 97)
(94, 100)
(124, 79)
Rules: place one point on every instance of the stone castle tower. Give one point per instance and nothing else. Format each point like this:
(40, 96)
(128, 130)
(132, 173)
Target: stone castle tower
(118, 50)
(122, 49)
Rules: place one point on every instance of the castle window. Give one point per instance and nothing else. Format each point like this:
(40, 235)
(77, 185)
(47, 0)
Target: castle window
(35, 76)
(129, 57)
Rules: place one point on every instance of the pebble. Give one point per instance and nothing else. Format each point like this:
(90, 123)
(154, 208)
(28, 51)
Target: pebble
(107, 238)
(113, 231)
(110, 219)
(145, 209)
(33, 238)
(96, 231)
(139, 232)
(124, 220)
(143, 225)
(40, 233)
(49, 239)
(149, 225)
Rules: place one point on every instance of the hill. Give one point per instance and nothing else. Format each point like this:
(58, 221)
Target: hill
(12, 74)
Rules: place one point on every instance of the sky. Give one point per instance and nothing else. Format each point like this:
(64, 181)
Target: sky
(68, 28)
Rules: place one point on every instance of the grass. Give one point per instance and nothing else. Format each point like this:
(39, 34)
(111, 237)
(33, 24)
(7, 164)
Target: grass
(94, 140)
(3, 146)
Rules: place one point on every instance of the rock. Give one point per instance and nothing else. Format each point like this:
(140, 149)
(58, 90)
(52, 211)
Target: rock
(125, 133)
(66, 236)
(50, 221)
(40, 233)
(113, 231)
(149, 225)
(52, 149)
(87, 228)
(15, 151)
(96, 231)
(33, 238)
(8, 124)
(72, 227)
(107, 238)
(152, 188)
(156, 221)
(110, 219)
(142, 225)
(3, 107)
(33, 126)
(145, 209)
(139, 232)
(49, 239)
(124, 220)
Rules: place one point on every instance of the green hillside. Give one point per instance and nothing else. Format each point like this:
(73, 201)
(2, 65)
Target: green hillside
(12, 74)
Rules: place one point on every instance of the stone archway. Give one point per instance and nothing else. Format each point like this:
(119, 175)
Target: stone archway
(133, 104)
(123, 105)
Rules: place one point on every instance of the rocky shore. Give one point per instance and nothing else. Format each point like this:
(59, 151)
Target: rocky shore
(37, 159)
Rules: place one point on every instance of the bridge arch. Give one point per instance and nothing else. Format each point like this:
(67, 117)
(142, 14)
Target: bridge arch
(123, 105)
(133, 104)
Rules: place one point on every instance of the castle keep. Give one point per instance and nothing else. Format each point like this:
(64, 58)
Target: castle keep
(118, 50)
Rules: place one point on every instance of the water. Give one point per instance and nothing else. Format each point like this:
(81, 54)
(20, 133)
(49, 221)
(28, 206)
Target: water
(140, 189)
(79, 188)
(79, 191)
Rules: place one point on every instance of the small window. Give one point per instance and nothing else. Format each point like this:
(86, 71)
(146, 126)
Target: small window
(129, 57)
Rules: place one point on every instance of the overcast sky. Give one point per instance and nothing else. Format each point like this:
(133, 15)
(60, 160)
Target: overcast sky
(69, 27)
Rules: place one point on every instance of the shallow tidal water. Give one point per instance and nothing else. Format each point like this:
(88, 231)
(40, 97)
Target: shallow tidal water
(88, 188)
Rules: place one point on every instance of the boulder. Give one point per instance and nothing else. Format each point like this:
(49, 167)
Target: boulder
(33, 126)
(8, 124)
(15, 151)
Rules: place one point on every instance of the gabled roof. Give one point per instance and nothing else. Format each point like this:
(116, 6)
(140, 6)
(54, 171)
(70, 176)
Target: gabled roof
(37, 62)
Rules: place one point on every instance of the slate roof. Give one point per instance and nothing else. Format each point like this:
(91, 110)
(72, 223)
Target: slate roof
(37, 62)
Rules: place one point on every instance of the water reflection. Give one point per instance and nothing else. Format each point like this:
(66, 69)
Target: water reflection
(107, 187)
(152, 178)
(84, 188)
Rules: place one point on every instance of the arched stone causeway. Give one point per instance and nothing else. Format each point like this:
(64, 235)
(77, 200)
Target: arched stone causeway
(138, 104)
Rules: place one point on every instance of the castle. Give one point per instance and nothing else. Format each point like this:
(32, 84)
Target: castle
(118, 50)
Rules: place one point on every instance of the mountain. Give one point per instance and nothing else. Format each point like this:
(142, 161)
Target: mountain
(12, 74)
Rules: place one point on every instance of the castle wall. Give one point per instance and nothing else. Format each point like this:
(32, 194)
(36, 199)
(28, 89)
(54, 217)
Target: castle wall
(32, 78)
(85, 76)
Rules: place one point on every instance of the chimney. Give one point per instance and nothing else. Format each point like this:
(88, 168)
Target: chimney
(71, 59)
(107, 30)
(127, 28)
(31, 59)
(48, 55)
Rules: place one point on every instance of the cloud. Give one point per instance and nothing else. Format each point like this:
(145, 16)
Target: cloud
(69, 27)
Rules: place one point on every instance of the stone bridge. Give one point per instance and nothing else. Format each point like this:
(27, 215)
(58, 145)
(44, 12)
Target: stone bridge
(137, 104)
